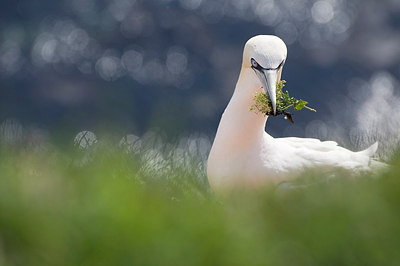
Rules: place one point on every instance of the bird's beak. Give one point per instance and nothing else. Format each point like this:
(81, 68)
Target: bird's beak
(268, 78)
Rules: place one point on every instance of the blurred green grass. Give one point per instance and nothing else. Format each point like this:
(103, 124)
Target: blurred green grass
(65, 208)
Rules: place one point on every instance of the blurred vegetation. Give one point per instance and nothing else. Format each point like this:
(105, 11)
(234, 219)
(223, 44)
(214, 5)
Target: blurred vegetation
(106, 206)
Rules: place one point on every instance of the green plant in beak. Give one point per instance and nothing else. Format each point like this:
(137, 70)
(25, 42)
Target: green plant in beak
(262, 103)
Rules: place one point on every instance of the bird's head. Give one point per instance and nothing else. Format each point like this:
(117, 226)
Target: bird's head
(266, 55)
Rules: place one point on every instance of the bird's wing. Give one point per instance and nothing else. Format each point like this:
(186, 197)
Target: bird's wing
(308, 152)
(310, 143)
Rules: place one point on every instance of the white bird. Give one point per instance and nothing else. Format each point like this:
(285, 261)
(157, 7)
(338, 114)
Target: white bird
(244, 155)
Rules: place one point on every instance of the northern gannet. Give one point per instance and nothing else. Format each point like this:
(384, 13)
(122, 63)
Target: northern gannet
(244, 155)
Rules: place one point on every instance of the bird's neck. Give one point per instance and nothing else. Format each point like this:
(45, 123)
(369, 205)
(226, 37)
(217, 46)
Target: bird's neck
(238, 123)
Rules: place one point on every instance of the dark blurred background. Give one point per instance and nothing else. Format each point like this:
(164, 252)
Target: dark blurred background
(132, 66)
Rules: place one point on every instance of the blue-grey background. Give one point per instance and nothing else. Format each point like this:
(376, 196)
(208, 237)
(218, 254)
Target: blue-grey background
(129, 67)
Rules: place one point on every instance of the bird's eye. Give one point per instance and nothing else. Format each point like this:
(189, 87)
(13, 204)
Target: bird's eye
(254, 63)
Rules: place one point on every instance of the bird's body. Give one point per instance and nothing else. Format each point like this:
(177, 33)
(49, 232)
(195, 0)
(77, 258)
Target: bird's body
(243, 154)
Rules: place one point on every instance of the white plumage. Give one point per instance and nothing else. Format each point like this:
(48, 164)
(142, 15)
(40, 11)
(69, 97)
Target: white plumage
(243, 154)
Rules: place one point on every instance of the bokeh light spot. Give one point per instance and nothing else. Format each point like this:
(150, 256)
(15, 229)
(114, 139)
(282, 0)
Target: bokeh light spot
(109, 67)
(48, 51)
(78, 39)
(176, 60)
(85, 139)
(132, 60)
(322, 12)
